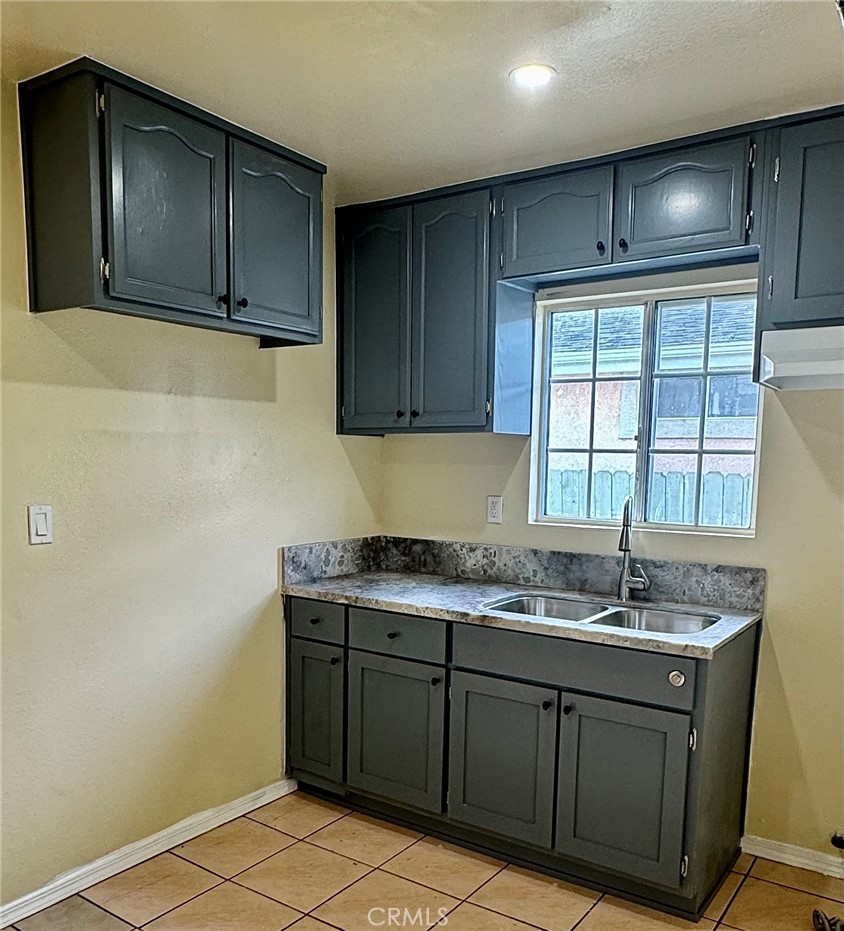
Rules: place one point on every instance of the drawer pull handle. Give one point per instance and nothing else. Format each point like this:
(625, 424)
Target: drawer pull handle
(676, 678)
(392, 635)
(334, 660)
(315, 620)
(435, 680)
(600, 247)
(567, 709)
(547, 705)
(622, 244)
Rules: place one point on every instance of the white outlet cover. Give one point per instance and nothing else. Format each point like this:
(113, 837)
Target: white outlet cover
(494, 509)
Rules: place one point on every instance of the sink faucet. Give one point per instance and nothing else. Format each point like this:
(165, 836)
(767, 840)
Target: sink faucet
(627, 581)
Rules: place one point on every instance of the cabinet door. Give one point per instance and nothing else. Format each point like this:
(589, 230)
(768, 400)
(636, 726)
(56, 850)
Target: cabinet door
(808, 266)
(622, 787)
(450, 311)
(376, 319)
(502, 747)
(396, 710)
(557, 223)
(684, 201)
(166, 206)
(316, 708)
(276, 246)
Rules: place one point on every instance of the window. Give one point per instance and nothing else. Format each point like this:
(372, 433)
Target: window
(649, 395)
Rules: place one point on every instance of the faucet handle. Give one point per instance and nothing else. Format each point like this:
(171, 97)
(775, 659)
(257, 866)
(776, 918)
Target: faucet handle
(642, 578)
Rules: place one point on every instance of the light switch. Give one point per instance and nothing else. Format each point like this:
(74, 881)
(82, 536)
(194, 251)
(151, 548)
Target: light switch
(40, 523)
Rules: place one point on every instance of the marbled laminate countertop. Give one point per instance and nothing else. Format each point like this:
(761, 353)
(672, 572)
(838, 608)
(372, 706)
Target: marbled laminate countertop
(461, 600)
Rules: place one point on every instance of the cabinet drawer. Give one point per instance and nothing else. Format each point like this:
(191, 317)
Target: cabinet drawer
(397, 634)
(317, 620)
(572, 664)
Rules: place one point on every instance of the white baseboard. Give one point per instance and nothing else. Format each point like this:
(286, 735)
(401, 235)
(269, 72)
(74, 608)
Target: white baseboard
(830, 864)
(112, 863)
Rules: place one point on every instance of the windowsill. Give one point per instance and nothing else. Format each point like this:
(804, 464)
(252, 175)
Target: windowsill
(683, 529)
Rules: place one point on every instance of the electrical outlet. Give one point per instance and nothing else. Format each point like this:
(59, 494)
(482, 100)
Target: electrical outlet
(494, 508)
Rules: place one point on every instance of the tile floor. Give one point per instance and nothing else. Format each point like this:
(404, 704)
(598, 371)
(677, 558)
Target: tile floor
(305, 865)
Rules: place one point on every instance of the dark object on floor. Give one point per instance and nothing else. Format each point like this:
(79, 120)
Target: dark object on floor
(823, 922)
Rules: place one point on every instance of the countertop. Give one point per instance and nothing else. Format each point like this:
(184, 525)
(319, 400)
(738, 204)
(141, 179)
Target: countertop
(461, 600)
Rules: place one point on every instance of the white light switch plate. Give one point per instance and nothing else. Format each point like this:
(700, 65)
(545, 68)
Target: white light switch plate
(494, 508)
(40, 523)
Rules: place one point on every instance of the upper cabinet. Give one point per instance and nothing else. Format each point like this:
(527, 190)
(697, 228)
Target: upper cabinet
(689, 200)
(557, 223)
(139, 203)
(803, 274)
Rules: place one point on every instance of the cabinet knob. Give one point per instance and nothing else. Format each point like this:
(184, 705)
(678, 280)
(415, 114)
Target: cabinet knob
(600, 247)
(392, 635)
(243, 303)
(399, 415)
(414, 413)
(315, 620)
(222, 298)
(676, 678)
(622, 244)
(567, 709)
(334, 660)
(435, 680)
(547, 705)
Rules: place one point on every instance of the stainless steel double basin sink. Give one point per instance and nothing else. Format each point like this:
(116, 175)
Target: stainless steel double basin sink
(563, 608)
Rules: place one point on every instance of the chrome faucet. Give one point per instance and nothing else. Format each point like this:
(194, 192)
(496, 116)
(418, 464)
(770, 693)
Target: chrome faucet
(627, 581)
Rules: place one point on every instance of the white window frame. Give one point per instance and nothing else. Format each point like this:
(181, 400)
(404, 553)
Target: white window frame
(649, 297)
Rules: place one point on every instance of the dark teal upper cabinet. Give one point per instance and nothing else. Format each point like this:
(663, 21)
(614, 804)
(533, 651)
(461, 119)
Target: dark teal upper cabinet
(684, 201)
(376, 319)
(166, 205)
(276, 243)
(622, 786)
(449, 329)
(558, 223)
(139, 203)
(804, 262)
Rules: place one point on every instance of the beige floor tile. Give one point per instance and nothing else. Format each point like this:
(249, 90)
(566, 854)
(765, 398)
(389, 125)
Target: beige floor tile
(743, 863)
(468, 917)
(234, 847)
(302, 876)
(364, 839)
(805, 880)
(443, 866)
(761, 906)
(716, 908)
(310, 924)
(227, 908)
(534, 898)
(148, 890)
(352, 910)
(616, 915)
(298, 814)
(72, 914)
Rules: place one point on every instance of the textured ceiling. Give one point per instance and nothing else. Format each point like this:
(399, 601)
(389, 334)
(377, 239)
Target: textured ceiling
(401, 96)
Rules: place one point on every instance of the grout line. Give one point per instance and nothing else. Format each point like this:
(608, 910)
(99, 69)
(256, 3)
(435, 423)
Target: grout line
(583, 918)
(732, 898)
(817, 895)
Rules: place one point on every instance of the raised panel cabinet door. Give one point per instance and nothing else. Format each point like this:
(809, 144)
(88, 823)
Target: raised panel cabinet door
(808, 265)
(376, 319)
(166, 206)
(501, 756)
(276, 241)
(395, 729)
(316, 708)
(558, 223)
(683, 201)
(621, 797)
(450, 312)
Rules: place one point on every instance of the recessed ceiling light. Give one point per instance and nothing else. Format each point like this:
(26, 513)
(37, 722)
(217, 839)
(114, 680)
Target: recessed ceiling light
(532, 75)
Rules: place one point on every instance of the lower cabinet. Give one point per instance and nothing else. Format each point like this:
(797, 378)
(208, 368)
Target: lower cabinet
(502, 748)
(396, 712)
(622, 786)
(316, 708)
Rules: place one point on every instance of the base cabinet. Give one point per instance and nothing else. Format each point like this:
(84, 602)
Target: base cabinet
(622, 786)
(502, 743)
(396, 714)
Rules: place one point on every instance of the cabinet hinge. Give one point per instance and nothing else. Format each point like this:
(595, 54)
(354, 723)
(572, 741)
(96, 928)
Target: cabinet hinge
(100, 103)
(770, 287)
(684, 866)
(777, 170)
(502, 203)
(501, 260)
(343, 411)
(693, 739)
(751, 156)
(488, 407)
(492, 206)
(105, 271)
(748, 221)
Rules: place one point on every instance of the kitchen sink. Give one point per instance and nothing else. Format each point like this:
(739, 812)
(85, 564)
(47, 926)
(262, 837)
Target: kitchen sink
(663, 622)
(556, 607)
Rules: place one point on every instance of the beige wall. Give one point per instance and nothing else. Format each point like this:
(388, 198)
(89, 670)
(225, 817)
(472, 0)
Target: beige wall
(797, 789)
(141, 652)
